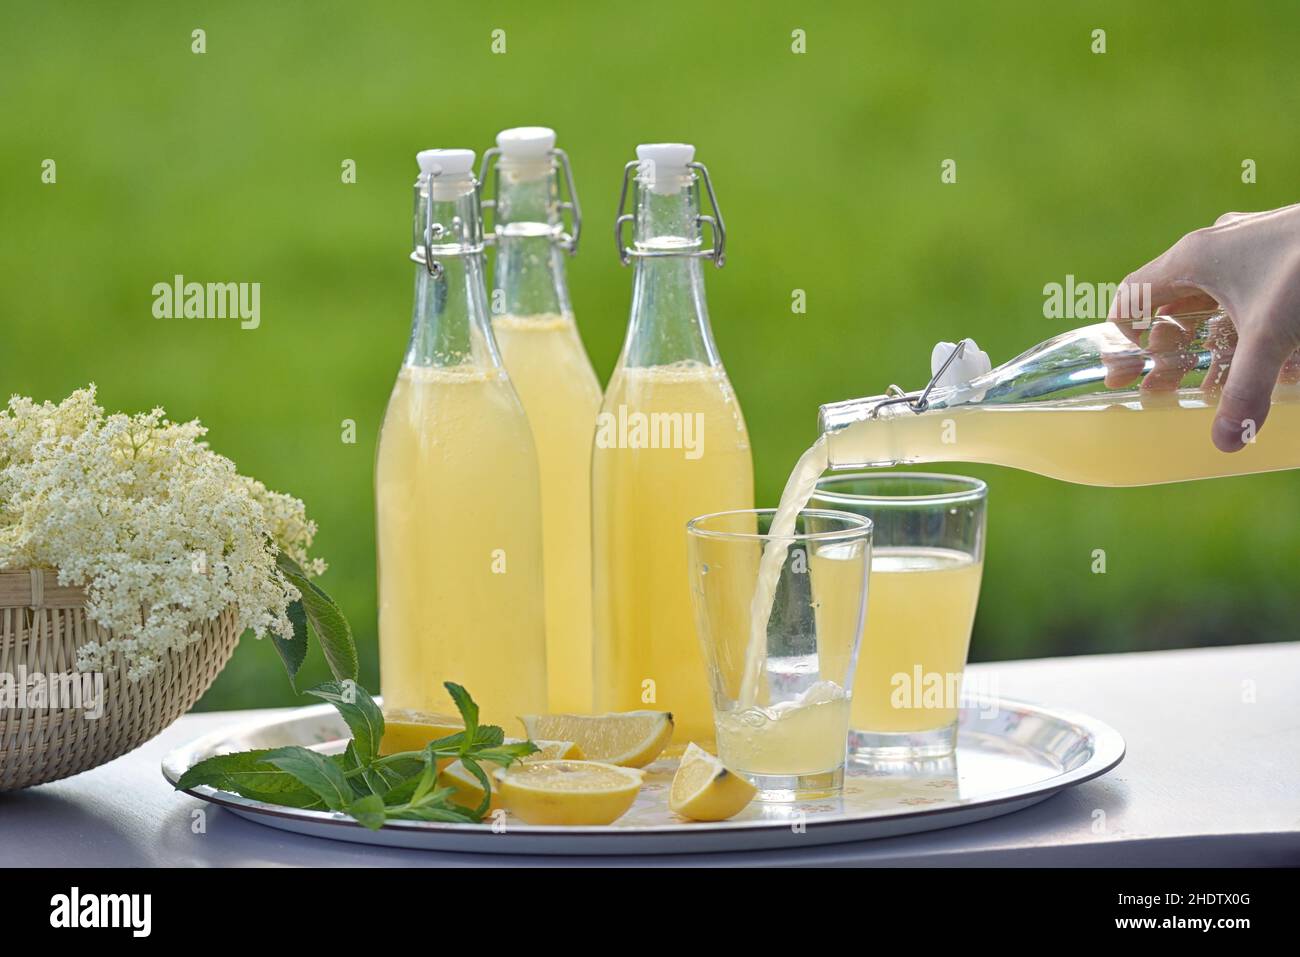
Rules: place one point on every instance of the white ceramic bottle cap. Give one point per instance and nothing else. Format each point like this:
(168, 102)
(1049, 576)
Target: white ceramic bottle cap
(668, 163)
(971, 364)
(445, 162)
(526, 142)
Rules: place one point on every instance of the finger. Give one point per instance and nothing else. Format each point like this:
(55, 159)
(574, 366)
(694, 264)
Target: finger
(1170, 357)
(1122, 369)
(1197, 302)
(1165, 280)
(1221, 339)
(1244, 404)
(1290, 374)
(1227, 218)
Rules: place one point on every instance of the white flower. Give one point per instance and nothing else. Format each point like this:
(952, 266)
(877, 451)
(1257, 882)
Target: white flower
(161, 531)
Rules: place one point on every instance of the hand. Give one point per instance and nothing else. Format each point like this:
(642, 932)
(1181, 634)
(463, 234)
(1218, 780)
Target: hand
(1248, 264)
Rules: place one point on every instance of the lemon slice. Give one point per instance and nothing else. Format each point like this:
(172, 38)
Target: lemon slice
(469, 792)
(631, 739)
(408, 730)
(704, 790)
(567, 792)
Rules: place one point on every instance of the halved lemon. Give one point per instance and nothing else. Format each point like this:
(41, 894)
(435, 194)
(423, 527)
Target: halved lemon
(704, 790)
(410, 730)
(631, 739)
(469, 792)
(567, 792)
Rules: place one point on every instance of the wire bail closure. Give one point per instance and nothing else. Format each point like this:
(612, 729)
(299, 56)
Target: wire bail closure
(423, 254)
(918, 402)
(565, 239)
(718, 251)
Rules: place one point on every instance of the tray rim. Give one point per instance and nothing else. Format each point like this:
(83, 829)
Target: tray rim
(1109, 749)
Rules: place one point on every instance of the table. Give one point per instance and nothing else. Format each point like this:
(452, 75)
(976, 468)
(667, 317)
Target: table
(1212, 777)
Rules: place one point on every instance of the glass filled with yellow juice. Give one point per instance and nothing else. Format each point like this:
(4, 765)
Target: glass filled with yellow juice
(780, 663)
(925, 581)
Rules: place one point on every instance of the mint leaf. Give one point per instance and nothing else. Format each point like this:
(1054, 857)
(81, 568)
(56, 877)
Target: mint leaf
(428, 777)
(488, 736)
(326, 620)
(466, 706)
(398, 768)
(369, 811)
(293, 651)
(359, 711)
(401, 793)
(484, 783)
(366, 778)
(318, 773)
(247, 773)
(435, 807)
(506, 754)
(449, 814)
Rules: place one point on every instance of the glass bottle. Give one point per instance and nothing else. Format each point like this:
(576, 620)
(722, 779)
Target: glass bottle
(532, 320)
(670, 445)
(458, 514)
(1101, 405)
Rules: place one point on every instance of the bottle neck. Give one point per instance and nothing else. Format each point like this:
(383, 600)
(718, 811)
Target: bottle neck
(529, 277)
(670, 317)
(449, 325)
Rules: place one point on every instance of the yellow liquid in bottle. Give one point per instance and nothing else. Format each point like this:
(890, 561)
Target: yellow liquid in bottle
(647, 654)
(1128, 439)
(459, 537)
(920, 608)
(550, 370)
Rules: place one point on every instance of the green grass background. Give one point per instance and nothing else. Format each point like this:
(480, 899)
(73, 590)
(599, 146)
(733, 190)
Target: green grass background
(226, 166)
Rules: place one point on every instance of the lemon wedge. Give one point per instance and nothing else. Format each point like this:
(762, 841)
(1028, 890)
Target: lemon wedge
(704, 790)
(408, 730)
(631, 739)
(469, 792)
(567, 792)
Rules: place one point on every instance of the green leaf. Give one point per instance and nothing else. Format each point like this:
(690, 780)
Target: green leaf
(488, 736)
(401, 793)
(483, 781)
(326, 619)
(248, 773)
(466, 706)
(506, 754)
(369, 811)
(359, 711)
(428, 777)
(323, 776)
(399, 768)
(446, 812)
(293, 651)
(368, 778)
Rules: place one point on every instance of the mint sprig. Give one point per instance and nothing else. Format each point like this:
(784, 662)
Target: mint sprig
(315, 613)
(371, 788)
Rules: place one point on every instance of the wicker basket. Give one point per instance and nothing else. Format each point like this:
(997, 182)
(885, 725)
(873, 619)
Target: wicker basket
(41, 627)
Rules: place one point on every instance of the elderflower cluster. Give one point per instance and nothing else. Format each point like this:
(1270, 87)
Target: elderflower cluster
(161, 532)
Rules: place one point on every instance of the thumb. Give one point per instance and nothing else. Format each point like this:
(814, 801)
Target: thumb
(1248, 393)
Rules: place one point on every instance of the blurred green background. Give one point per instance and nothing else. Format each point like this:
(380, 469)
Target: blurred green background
(226, 166)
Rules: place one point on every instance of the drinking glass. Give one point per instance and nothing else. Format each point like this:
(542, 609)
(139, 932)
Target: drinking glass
(781, 693)
(925, 582)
